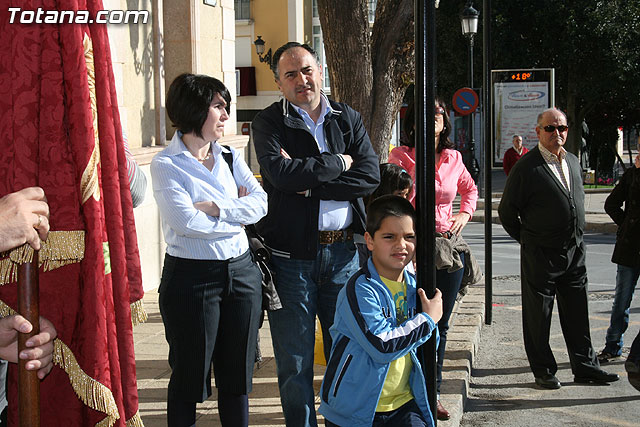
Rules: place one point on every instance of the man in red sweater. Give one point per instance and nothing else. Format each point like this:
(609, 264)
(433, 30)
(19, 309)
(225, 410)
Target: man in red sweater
(513, 154)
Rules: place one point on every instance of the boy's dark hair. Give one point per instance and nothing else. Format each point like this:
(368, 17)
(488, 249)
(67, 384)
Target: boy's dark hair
(386, 206)
(189, 99)
(285, 47)
(392, 178)
(408, 127)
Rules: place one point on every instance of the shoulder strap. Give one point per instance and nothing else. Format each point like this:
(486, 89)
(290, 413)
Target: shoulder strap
(228, 157)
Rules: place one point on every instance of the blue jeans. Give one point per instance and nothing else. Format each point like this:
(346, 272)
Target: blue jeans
(449, 285)
(626, 282)
(306, 288)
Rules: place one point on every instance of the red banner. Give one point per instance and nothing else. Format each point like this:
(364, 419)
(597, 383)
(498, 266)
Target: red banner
(60, 130)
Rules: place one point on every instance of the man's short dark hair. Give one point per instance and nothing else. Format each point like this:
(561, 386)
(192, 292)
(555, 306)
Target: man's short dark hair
(189, 99)
(386, 206)
(285, 47)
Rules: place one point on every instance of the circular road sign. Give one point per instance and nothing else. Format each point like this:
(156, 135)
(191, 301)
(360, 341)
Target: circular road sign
(465, 101)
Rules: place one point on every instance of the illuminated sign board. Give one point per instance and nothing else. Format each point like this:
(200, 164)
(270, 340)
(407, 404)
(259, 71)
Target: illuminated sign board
(518, 96)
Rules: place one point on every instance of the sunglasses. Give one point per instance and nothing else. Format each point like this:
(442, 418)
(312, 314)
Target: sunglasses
(550, 128)
(439, 111)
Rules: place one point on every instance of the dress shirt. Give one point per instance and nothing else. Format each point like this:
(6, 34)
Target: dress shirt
(180, 180)
(453, 178)
(334, 215)
(559, 167)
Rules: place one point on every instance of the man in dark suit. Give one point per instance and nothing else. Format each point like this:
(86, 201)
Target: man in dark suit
(542, 207)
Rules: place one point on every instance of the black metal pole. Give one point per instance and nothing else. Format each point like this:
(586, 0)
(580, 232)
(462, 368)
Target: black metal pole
(475, 168)
(424, 98)
(488, 143)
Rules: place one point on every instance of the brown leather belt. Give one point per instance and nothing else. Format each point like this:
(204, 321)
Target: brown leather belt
(329, 237)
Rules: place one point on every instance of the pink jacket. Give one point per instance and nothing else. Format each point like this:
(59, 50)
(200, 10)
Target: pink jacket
(452, 178)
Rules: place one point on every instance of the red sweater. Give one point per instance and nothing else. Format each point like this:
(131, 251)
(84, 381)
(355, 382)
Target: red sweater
(511, 157)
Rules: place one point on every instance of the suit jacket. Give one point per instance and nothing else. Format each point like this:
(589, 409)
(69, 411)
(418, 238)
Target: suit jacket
(535, 207)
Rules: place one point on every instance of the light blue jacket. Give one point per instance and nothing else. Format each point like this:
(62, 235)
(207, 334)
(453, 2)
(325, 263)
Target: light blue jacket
(366, 339)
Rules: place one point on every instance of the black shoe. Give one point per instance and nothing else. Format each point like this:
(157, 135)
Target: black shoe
(548, 381)
(597, 376)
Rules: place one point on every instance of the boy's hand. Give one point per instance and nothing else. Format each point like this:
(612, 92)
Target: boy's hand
(433, 306)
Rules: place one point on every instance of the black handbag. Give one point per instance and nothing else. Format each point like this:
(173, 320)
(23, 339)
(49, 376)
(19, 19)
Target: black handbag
(261, 255)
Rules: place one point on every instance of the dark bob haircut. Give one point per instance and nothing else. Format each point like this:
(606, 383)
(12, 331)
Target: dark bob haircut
(285, 47)
(392, 178)
(189, 99)
(386, 206)
(410, 132)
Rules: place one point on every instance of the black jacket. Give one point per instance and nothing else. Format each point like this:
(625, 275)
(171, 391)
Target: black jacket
(627, 192)
(291, 225)
(535, 207)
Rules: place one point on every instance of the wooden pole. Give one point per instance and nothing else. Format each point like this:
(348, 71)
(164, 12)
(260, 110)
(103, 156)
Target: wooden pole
(29, 308)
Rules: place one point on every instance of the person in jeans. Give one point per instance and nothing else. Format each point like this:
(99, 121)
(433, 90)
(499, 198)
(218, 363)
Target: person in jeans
(374, 376)
(452, 178)
(626, 254)
(317, 163)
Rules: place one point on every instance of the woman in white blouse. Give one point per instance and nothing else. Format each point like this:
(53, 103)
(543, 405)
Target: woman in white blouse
(210, 291)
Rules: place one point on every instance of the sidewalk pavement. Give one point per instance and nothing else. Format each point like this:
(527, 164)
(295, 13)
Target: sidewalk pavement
(264, 402)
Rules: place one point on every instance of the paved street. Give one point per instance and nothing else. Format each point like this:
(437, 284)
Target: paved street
(502, 391)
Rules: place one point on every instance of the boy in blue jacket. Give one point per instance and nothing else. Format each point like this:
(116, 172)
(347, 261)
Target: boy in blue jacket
(373, 376)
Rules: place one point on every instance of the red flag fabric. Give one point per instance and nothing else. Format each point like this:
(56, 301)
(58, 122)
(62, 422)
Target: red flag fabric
(60, 130)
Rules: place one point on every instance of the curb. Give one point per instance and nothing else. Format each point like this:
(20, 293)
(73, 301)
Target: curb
(463, 340)
(608, 227)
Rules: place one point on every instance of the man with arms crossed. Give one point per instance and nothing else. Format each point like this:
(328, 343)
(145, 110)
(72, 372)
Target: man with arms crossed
(317, 163)
(542, 207)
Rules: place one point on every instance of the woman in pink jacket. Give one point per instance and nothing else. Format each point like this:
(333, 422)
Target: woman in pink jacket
(452, 178)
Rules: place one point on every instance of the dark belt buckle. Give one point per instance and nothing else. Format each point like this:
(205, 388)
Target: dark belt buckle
(330, 237)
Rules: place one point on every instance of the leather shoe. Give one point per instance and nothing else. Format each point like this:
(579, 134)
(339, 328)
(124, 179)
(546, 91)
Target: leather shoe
(597, 376)
(441, 413)
(548, 381)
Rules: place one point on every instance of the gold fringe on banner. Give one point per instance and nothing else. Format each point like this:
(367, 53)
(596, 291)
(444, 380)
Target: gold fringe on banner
(93, 394)
(135, 421)
(138, 313)
(61, 248)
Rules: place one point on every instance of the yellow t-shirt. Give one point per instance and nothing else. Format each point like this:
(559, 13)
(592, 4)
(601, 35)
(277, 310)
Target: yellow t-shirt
(396, 390)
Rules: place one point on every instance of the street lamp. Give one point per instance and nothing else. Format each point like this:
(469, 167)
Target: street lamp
(469, 21)
(259, 43)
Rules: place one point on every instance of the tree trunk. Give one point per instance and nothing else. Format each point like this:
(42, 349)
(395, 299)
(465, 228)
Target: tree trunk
(347, 44)
(370, 73)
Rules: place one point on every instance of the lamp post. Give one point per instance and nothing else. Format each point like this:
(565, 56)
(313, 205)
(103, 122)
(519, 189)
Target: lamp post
(469, 21)
(259, 43)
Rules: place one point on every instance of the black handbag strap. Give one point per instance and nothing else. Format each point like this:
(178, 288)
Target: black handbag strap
(228, 157)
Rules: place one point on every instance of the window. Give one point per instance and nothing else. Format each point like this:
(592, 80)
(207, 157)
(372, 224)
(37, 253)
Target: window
(242, 9)
(372, 10)
(318, 46)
